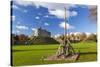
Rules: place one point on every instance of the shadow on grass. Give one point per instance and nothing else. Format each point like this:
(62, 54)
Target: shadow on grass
(33, 50)
(83, 53)
(82, 48)
(41, 49)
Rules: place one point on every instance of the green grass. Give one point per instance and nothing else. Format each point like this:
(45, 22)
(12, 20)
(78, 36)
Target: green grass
(32, 54)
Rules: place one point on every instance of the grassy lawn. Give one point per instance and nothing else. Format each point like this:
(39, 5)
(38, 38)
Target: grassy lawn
(32, 54)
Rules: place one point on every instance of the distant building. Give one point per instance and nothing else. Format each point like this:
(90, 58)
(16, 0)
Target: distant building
(41, 32)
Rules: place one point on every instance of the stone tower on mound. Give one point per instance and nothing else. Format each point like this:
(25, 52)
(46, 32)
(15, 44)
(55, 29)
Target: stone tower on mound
(41, 32)
(42, 36)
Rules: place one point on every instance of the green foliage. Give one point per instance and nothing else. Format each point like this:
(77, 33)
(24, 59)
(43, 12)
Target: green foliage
(92, 37)
(19, 39)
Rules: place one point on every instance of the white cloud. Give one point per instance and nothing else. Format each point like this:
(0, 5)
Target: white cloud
(22, 27)
(75, 33)
(68, 26)
(16, 32)
(57, 13)
(73, 13)
(61, 13)
(49, 5)
(46, 16)
(88, 33)
(56, 9)
(13, 17)
(15, 6)
(72, 6)
(54, 5)
(23, 2)
(45, 4)
(37, 17)
(57, 35)
(20, 2)
(46, 24)
(34, 29)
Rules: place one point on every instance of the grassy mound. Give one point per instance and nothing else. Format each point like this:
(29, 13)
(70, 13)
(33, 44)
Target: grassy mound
(43, 40)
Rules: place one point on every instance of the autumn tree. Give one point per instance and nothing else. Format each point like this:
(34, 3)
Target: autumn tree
(92, 37)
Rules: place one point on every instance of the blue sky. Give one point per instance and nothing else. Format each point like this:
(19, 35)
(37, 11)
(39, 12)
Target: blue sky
(29, 15)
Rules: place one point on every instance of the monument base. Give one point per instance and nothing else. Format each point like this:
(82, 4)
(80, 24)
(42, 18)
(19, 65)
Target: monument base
(73, 57)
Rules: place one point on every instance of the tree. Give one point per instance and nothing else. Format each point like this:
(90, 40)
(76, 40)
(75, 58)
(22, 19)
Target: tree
(72, 38)
(14, 38)
(78, 37)
(23, 39)
(92, 37)
(83, 36)
(19, 39)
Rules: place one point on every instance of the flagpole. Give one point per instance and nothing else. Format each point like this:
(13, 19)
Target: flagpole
(65, 26)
